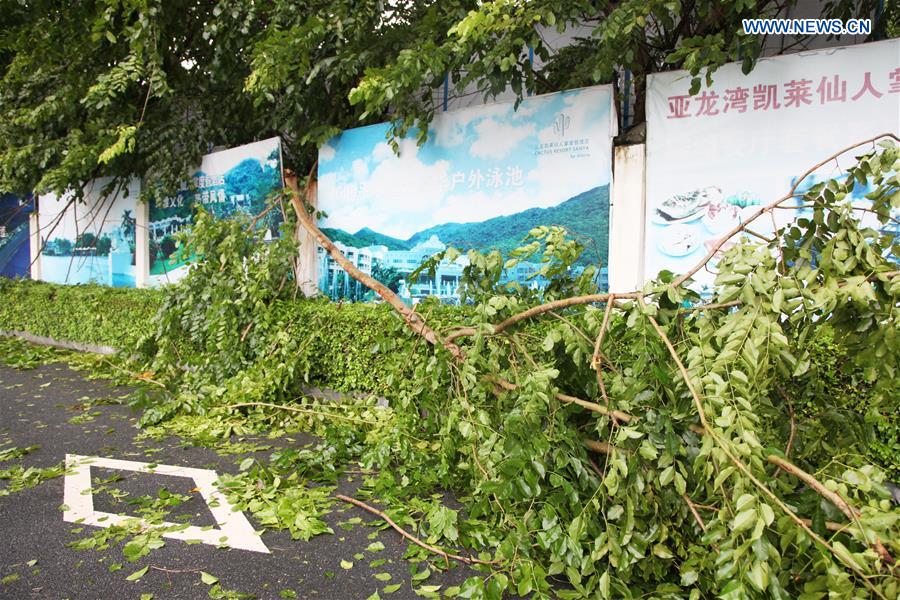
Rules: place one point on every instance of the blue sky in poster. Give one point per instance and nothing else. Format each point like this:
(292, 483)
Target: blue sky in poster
(478, 163)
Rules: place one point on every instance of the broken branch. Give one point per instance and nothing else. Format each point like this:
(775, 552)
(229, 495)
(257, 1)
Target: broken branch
(469, 560)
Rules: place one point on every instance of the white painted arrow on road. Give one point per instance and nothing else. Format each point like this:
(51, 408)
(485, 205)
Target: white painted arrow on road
(234, 529)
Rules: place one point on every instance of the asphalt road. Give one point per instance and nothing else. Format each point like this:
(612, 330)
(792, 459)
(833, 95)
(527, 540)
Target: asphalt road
(37, 407)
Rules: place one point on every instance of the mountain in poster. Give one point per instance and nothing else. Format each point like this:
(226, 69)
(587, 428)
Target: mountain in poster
(365, 237)
(585, 215)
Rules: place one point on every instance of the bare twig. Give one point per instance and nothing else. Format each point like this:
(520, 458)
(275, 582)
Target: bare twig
(592, 406)
(262, 214)
(164, 570)
(595, 360)
(693, 508)
(541, 309)
(469, 560)
(759, 235)
(716, 306)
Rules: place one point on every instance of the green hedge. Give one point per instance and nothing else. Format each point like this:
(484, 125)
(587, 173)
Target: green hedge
(344, 346)
(365, 348)
(91, 314)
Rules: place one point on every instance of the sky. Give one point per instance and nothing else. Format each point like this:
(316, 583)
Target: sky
(478, 163)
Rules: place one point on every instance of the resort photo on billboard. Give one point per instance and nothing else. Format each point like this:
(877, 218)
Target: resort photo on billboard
(483, 179)
(232, 182)
(91, 239)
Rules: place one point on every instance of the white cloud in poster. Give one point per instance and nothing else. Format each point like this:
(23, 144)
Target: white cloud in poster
(326, 152)
(383, 201)
(360, 169)
(495, 140)
(464, 117)
(448, 132)
(382, 151)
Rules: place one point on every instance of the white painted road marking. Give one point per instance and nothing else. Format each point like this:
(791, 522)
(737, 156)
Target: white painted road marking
(233, 525)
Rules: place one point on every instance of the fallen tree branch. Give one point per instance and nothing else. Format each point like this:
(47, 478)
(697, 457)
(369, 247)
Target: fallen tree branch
(741, 466)
(469, 560)
(256, 219)
(595, 359)
(602, 447)
(412, 318)
(592, 406)
(834, 498)
(541, 309)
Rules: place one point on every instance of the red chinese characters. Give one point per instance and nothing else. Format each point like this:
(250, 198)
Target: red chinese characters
(867, 87)
(895, 81)
(736, 99)
(797, 92)
(765, 97)
(679, 106)
(707, 101)
(832, 90)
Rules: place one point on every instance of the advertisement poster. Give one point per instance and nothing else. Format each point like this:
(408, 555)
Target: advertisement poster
(91, 240)
(15, 254)
(715, 157)
(485, 177)
(228, 183)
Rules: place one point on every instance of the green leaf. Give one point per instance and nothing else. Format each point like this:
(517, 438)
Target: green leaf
(744, 520)
(603, 585)
(137, 574)
(207, 578)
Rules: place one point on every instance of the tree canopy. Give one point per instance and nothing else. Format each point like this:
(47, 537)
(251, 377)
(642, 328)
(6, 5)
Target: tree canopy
(117, 87)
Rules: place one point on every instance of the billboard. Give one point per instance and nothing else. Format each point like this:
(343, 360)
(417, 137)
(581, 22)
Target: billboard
(227, 183)
(484, 178)
(715, 157)
(91, 240)
(15, 253)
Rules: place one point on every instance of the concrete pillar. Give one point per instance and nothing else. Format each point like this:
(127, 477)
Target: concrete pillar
(34, 241)
(627, 223)
(142, 244)
(305, 269)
